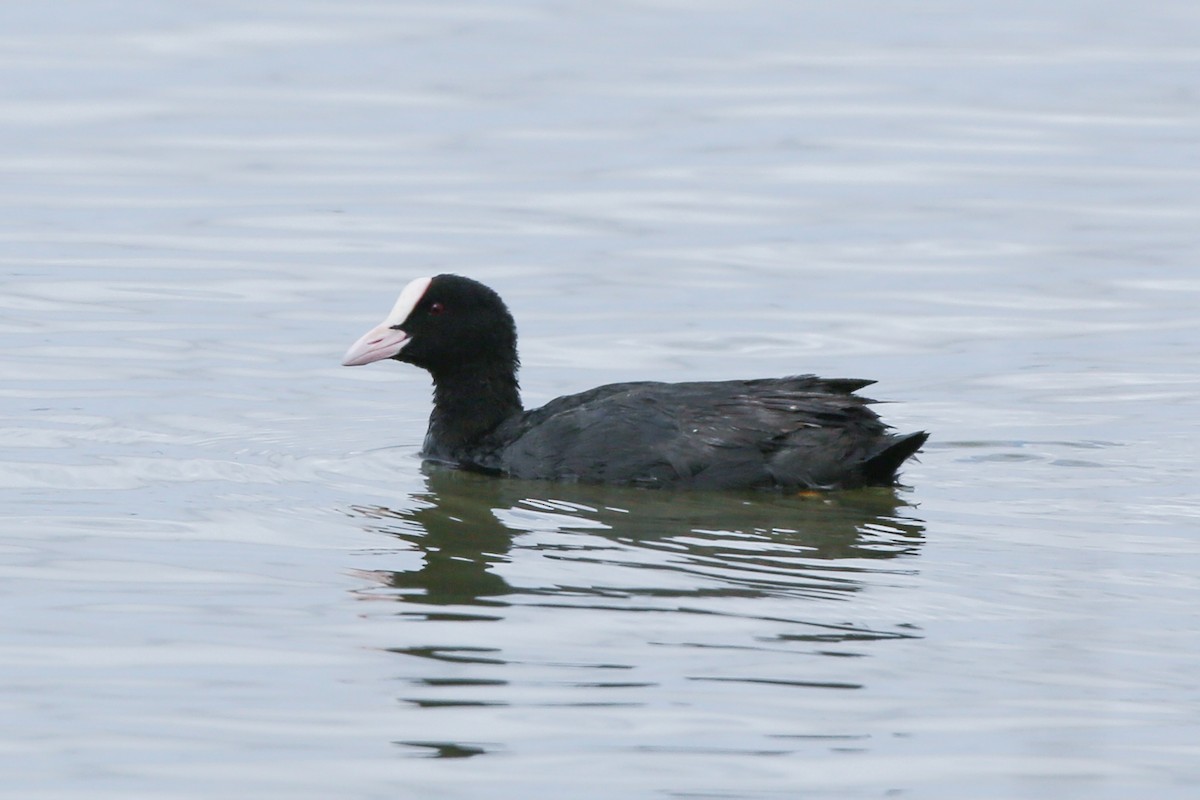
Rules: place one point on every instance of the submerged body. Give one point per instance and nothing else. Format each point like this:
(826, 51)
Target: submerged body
(800, 432)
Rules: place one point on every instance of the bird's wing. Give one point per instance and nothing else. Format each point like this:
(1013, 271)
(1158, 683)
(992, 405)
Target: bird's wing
(789, 431)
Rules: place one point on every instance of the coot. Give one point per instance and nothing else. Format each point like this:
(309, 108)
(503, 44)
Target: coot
(801, 432)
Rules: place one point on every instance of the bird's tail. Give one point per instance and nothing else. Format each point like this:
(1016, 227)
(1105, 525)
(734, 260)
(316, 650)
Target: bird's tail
(881, 468)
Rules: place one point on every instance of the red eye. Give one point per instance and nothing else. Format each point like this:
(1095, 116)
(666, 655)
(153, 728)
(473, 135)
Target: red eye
(436, 308)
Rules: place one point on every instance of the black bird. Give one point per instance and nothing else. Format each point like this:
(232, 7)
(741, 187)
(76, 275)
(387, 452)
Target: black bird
(801, 432)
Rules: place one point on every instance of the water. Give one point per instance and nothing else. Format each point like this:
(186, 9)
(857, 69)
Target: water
(227, 574)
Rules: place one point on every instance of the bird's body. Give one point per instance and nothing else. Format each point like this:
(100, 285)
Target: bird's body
(775, 432)
(800, 432)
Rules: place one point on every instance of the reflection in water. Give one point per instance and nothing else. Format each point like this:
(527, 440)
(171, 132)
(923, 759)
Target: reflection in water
(721, 544)
(730, 590)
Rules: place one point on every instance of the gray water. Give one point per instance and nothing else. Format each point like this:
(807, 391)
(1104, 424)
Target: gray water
(227, 574)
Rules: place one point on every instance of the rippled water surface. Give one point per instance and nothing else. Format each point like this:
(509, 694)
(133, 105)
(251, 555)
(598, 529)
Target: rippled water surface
(227, 574)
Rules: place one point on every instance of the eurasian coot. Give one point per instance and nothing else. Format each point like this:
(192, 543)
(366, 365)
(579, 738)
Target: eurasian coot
(800, 432)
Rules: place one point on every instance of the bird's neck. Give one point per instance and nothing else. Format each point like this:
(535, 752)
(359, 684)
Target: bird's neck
(468, 403)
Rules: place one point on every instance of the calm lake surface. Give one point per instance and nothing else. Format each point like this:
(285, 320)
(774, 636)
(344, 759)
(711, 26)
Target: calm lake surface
(227, 574)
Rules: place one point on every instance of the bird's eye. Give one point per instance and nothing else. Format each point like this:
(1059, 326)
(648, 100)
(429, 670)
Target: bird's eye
(436, 308)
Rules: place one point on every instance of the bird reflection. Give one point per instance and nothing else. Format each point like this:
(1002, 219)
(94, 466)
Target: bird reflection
(724, 544)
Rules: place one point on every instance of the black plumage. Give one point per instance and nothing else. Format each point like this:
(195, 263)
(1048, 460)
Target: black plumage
(800, 432)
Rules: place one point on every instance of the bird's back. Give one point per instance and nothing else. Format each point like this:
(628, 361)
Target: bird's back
(797, 432)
